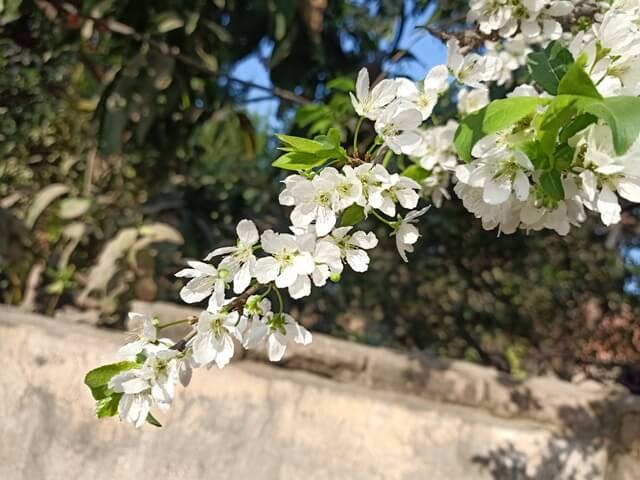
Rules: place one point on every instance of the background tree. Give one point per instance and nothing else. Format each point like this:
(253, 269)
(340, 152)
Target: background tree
(127, 146)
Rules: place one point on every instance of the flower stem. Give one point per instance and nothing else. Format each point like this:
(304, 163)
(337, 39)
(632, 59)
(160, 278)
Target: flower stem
(382, 219)
(177, 322)
(355, 135)
(280, 301)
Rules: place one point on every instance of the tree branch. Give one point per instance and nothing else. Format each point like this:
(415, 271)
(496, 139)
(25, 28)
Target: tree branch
(118, 28)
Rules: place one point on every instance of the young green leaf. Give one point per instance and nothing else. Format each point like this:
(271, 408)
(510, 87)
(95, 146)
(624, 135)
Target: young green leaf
(547, 67)
(622, 114)
(152, 420)
(299, 144)
(577, 125)
(352, 215)
(100, 376)
(108, 407)
(299, 161)
(498, 115)
(415, 172)
(551, 183)
(577, 82)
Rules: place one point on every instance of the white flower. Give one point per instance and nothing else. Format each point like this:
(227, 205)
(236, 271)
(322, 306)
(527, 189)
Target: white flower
(397, 125)
(213, 341)
(499, 171)
(352, 247)
(436, 185)
(505, 216)
(471, 69)
(567, 212)
(347, 186)
(491, 15)
(425, 97)
(374, 179)
(205, 280)
(439, 150)
(370, 103)
(240, 260)
(470, 101)
(279, 329)
(542, 16)
(402, 190)
(407, 234)
(607, 173)
(148, 336)
(287, 262)
(316, 200)
(250, 325)
(154, 380)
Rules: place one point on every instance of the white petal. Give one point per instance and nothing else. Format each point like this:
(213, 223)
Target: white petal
(608, 206)
(267, 269)
(362, 84)
(521, 185)
(358, 260)
(301, 287)
(247, 232)
(629, 190)
(276, 347)
(496, 191)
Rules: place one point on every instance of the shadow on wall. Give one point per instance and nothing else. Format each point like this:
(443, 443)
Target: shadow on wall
(585, 441)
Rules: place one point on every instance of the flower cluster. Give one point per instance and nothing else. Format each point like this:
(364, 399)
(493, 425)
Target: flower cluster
(541, 158)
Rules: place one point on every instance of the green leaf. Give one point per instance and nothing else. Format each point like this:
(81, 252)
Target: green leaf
(108, 406)
(536, 154)
(299, 161)
(561, 111)
(416, 172)
(101, 392)
(563, 157)
(99, 377)
(551, 183)
(622, 114)
(548, 67)
(498, 115)
(343, 84)
(300, 144)
(152, 420)
(577, 82)
(577, 125)
(352, 215)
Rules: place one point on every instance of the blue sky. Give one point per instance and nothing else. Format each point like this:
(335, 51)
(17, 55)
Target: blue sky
(428, 50)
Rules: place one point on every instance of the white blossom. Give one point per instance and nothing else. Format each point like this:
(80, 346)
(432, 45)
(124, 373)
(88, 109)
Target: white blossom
(352, 247)
(279, 329)
(398, 126)
(369, 103)
(213, 342)
(205, 280)
(407, 234)
(425, 96)
(240, 260)
(316, 200)
(471, 69)
(287, 261)
(402, 190)
(470, 101)
(155, 380)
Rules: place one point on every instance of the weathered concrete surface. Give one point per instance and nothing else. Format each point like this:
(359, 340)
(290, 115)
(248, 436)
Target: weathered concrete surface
(338, 411)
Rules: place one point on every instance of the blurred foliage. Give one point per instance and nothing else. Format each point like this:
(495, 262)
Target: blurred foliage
(126, 146)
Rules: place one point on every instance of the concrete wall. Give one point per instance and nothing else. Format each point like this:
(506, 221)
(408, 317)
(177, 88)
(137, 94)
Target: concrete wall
(334, 410)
